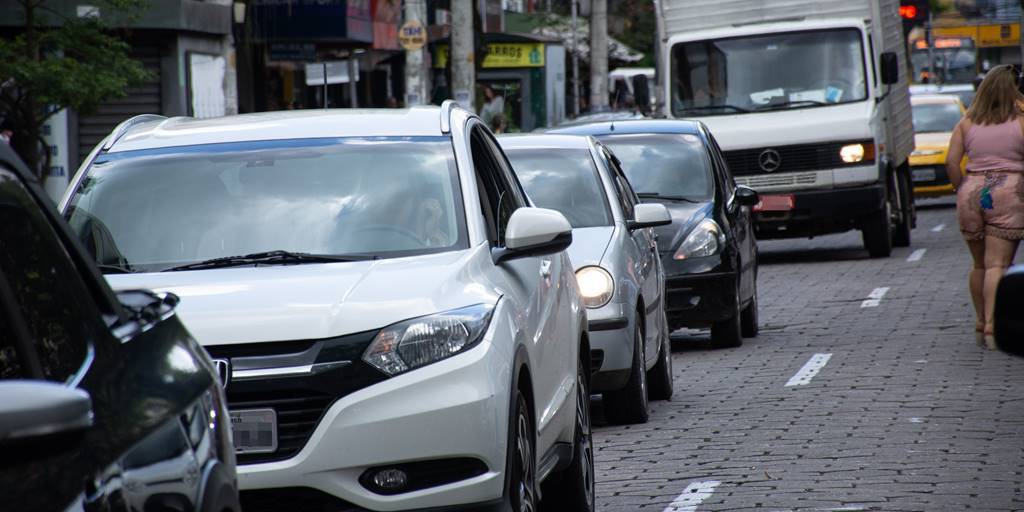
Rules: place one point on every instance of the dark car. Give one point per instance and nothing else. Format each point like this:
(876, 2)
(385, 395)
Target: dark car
(709, 252)
(1009, 323)
(106, 401)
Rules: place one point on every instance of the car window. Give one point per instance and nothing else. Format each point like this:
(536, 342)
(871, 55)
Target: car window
(623, 191)
(728, 183)
(498, 197)
(50, 299)
(150, 210)
(665, 164)
(565, 180)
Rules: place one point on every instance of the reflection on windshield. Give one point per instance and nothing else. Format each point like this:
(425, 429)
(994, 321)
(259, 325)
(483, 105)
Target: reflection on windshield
(155, 209)
(952, 65)
(798, 69)
(665, 164)
(935, 117)
(564, 180)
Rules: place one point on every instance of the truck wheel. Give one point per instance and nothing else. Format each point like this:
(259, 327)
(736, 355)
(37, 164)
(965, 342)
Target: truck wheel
(629, 404)
(877, 232)
(901, 233)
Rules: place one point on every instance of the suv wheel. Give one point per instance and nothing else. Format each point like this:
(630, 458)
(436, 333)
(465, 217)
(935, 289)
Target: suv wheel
(660, 376)
(522, 488)
(629, 404)
(573, 489)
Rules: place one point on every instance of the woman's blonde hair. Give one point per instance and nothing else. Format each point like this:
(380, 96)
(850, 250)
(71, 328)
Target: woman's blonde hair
(998, 98)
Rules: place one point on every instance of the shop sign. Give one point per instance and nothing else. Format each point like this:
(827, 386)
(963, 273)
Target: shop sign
(412, 35)
(502, 55)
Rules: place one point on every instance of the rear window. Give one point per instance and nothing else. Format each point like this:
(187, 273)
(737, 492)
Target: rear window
(565, 180)
(673, 165)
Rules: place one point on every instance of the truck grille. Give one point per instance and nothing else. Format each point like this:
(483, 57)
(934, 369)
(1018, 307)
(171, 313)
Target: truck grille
(797, 157)
(778, 180)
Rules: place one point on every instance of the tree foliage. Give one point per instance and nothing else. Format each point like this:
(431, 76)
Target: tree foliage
(61, 60)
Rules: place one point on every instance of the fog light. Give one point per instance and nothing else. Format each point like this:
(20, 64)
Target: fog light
(390, 479)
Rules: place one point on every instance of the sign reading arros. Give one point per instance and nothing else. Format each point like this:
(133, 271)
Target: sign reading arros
(412, 35)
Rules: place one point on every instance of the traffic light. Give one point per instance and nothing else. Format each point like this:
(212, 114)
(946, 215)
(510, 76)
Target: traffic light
(914, 13)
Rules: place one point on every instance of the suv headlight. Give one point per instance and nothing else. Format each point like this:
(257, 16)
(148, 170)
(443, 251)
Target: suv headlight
(705, 240)
(418, 342)
(596, 286)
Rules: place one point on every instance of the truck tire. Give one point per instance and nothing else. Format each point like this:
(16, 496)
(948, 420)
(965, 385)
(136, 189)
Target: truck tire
(877, 232)
(901, 232)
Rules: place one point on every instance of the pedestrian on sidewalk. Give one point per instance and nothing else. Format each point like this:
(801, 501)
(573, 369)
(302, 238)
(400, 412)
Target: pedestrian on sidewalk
(990, 198)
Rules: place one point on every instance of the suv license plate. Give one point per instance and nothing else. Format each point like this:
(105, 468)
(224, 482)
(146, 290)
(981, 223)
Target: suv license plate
(775, 203)
(924, 174)
(254, 430)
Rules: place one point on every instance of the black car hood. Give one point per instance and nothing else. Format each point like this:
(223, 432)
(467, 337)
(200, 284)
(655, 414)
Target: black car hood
(684, 217)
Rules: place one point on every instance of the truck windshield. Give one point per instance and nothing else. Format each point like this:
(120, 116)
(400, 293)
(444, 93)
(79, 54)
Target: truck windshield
(768, 72)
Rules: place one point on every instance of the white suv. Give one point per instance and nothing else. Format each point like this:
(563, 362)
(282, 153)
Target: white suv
(396, 326)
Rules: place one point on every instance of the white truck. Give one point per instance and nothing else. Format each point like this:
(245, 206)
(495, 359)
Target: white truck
(809, 102)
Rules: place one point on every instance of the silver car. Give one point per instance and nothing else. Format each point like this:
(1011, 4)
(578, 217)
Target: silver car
(614, 253)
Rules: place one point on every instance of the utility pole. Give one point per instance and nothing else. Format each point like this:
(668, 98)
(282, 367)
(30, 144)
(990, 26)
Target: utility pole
(461, 56)
(599, 55)
(416, 87)
(576, 63)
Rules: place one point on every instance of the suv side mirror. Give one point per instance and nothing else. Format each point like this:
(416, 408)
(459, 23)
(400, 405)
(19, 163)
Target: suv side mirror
(746, 196)
(890, 68)
(33, 410)
(1009, 328)
(649, 215)
(535, 232)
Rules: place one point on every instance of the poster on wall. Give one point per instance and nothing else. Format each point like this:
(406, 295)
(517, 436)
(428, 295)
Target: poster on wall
(206, 85)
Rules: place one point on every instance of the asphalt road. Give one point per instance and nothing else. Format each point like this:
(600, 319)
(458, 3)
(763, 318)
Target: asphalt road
(896, 407)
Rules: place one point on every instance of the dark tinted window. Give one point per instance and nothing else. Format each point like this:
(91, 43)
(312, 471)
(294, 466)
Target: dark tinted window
(564, 180)
(498, 199)
(664, 164)
(50, 298)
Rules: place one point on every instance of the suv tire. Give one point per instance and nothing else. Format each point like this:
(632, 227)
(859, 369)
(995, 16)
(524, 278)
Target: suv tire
(572, 490)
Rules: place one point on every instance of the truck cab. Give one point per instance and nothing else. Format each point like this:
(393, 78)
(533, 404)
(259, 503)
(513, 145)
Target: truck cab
(812, 111)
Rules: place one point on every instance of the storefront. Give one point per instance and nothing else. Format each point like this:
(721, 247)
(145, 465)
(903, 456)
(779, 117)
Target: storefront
(522, 76)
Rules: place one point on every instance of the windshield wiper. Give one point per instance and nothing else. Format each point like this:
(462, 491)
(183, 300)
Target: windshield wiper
(716, 107)
(655, 195)
(267, 258)
(786, 104)
(107, 268)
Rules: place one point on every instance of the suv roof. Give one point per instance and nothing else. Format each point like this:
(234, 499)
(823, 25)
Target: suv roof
(150, 132)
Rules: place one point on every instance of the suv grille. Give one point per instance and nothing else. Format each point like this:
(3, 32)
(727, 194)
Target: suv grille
(798, 157)
(298, 413)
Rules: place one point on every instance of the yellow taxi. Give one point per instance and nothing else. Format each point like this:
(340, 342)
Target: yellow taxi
(935, 116)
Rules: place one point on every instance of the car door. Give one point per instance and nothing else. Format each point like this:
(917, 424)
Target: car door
(740, 220)
(646, 253)
(535, 283)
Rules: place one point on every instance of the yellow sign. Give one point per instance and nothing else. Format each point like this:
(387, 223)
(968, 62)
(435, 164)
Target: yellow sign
(412, 35)
(984, 36)
(502, 55)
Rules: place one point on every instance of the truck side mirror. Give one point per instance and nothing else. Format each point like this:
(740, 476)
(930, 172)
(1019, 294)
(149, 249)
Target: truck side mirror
(890, 68)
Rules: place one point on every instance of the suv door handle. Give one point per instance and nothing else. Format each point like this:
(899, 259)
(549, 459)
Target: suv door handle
(545, 268)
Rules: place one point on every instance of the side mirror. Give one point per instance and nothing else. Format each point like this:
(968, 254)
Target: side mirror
(1009, 324)
(535, 232)
(890, 68)
(649, 215)
(34, 410)
(746, 196)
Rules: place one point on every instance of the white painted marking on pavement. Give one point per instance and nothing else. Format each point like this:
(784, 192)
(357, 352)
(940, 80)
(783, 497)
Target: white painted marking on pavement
(916, 255)
(916, 420)
(875, 297)
(938, 228)
(692, 496)
(809, 370)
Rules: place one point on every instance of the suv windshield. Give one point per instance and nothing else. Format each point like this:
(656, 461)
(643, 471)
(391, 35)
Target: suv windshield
(152, 210)
(564, 180)
(765, 72)
(935, 117)
(665, 165)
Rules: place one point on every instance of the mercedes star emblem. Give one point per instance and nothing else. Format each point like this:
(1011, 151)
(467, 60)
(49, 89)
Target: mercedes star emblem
(769, 160)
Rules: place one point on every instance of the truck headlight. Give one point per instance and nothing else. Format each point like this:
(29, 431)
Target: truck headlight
(596, 286)
(852, 153)
(418, 342)
(706, 239)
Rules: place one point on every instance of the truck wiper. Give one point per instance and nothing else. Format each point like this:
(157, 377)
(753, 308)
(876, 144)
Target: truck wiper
(786, 104)
(269, 257)
(716, 107)
(655, 195)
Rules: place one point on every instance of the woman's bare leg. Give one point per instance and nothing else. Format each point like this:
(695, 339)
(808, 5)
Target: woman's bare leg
(976, 282)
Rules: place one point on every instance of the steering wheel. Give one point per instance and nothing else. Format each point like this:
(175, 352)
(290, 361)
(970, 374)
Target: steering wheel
(388, 228)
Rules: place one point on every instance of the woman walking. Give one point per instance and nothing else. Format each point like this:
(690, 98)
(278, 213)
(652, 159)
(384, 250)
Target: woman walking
(990, 198)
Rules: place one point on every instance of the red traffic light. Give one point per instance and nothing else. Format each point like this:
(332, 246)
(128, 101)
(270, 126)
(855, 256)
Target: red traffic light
(908, 12)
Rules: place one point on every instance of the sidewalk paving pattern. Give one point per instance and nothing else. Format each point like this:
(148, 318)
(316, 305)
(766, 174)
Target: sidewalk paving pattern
(908, 414)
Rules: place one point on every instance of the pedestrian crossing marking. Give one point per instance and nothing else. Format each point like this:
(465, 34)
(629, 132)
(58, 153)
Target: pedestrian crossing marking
(875, 297)
(692, 496)
(809, 370)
